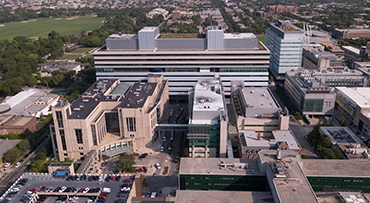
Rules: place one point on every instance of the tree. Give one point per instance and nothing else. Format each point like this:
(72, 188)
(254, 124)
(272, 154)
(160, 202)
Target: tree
(297, 115)
(342, 121)
(24, 146)
(12, 155)
(125, 163)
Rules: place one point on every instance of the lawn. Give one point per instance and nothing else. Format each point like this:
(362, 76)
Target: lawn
(70, 57)
(82, 50)
(262, 39)
(41, 27)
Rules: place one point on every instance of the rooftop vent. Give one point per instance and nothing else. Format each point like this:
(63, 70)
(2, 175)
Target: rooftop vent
(85, 100)
(76, 109)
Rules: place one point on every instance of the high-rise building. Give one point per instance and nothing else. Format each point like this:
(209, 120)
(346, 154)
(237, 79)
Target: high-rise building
(109, 118)
(207, 134)
(285, 41)
(183, 59)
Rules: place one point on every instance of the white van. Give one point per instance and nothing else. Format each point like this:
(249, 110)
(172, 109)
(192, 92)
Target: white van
(153, 195)
(106, 189)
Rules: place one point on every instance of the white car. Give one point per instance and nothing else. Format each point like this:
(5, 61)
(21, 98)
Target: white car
(17, 164)
(125, 189)
(164, 139)
(162, 149)
(100, 178)
(6, 165)
(86, 190)
(106, 189)
(157, 166)
(62, 189)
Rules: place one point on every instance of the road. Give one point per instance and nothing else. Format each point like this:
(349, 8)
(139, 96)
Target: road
(17, 172)
(300, 133)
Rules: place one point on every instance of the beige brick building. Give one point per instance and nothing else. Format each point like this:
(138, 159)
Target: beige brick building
(110, 117)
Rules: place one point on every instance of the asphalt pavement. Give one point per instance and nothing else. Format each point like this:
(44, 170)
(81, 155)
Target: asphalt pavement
(15, 173)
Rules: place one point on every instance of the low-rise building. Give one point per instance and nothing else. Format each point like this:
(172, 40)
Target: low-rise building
(314, 58)
(351, 33)
(45, 69)
(67, 167)
(353, 54)
(346, 141)
(31, 102)
(308, 94)
(337, 51)
(158, 11)
(353, 105)
(257, 110)
(251, 143)
(5, 145)
(110, 117)
(208, 120)
(17, 124)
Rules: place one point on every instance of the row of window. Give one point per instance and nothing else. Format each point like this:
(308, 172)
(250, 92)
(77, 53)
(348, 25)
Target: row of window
(182, 54)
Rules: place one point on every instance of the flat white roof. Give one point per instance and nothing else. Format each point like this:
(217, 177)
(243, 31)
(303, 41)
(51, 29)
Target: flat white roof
(287, 136)
(258, 97)
(238, 35)
(359, 95)
(352, 49)
(251, 140)
(208, 101)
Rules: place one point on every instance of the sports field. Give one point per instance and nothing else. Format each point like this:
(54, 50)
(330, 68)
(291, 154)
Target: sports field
(41, 27)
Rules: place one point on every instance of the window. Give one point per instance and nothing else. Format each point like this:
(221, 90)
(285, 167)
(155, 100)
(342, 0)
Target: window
(81, 153)
(131, 124)
(59, 119)
(62, 137)
(78, 133)
(93, 132)
(65, 154)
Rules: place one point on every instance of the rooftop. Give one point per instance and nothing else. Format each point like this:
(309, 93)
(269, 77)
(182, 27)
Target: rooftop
(288, 137)
(250, 139)
(212, 166)
(238, 35)
(336, 167)
(89, 100)
(186, 196)
(286, 26)
(258, 102)
(181, 36)
(351, 49)
(258, 97)
(208, 101)
(123, 36)
(5, 145)
(341, 135)
(138, 94)
(28, 102)
(297, 189)
(359, 95)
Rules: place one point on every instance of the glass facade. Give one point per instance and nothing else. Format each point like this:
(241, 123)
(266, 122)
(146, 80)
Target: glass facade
(78, 133)
(313, 105)
(59, 119)
(112, 122)
(223, 182)
(63, 138)
(205, 135)
(93, 132)
(342, 184)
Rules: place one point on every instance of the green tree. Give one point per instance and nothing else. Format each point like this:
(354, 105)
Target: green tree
(342, 121)
(12, 155)
(125, 163)
(24, 146)
(297, 115)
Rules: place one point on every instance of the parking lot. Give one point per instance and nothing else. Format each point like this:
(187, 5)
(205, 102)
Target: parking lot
(108, 190)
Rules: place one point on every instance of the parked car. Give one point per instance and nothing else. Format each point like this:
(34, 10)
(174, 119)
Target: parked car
(157, 166)
(18, 164)
(7, 164)
(143, 155)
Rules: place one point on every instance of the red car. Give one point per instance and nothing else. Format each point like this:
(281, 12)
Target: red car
(102, 197)
(141, 170)
(114, 178)
(104, 194)
(81, 190)
(42, 189)
(33, 190)
(128, 181)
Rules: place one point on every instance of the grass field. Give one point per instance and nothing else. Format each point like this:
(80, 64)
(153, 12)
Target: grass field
(82, 50)
(262, 39)
(41, 27)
